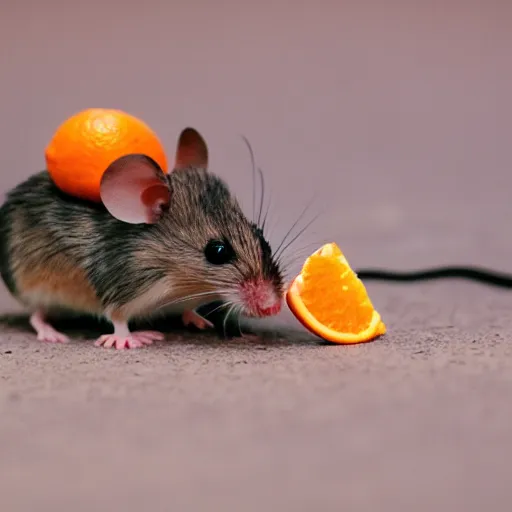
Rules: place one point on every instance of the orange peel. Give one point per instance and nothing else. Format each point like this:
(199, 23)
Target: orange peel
(86, 143)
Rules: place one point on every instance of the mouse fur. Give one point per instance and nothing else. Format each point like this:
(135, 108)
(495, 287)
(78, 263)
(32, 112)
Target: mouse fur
(60, 252)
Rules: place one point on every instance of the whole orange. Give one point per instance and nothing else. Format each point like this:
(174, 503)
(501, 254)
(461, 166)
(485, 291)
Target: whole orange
(85, 144)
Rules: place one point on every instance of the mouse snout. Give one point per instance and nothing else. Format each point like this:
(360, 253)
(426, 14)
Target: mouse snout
(260, 298)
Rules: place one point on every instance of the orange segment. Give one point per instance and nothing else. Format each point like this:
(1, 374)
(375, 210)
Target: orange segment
(85, 144)
(328, 299)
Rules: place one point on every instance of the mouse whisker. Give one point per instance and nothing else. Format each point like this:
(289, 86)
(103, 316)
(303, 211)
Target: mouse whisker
(226, 291)
(190, 297)
(288, 233)
(298, 253)
(275, 219)
(230, 310)
(227, 283)
(224, 284)
(253, 170)
(264, 223)
(300, 233)
(238, 313)
(262, 195)
(223, 305)
(287, 262)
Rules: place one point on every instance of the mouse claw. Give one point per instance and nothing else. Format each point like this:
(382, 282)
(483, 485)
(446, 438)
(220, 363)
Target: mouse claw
(136, 339)
(190, 317)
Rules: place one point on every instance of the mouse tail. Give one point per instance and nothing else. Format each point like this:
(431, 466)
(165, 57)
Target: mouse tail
(479, 274)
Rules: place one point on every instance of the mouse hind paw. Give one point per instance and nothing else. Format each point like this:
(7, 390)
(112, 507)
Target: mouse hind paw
(45, 332)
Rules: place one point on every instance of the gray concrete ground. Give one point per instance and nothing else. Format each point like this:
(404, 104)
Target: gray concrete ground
(398, 116)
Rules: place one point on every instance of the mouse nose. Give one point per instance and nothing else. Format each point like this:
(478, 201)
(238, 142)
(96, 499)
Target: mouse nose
(260, 298)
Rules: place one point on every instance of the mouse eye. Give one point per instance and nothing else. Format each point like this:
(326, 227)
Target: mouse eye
(218, 252)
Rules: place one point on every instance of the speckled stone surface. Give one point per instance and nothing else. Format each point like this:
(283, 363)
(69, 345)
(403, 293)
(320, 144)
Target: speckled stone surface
(417, 420)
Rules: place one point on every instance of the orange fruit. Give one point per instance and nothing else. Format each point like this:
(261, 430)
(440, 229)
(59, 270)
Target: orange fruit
(85, 144)
(328, 299)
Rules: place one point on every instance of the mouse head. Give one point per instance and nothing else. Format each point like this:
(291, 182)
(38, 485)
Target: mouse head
(197, 232)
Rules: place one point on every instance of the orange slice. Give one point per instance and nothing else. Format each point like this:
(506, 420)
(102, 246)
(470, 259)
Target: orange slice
(86, 143)
(330, 300)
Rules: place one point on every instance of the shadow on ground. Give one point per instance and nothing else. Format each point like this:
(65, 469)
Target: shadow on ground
(226, 332)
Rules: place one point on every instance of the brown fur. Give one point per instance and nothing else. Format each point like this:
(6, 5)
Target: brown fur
(55, 279)
(63, 284)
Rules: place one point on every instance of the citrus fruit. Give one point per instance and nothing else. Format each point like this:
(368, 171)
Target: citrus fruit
(85, 144)
(328, 299)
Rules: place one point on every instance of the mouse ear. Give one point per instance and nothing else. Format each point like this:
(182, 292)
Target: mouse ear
(134, 189)
(191, 150)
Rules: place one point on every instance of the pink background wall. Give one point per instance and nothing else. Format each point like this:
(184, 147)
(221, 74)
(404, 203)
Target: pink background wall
(397, 115)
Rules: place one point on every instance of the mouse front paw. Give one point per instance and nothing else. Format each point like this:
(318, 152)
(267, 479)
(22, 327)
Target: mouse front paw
(123, 341)
(192, 318)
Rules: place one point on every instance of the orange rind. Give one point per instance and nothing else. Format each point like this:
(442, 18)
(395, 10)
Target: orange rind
(85, 144)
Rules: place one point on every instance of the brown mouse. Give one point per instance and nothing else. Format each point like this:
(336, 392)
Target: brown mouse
(159, 242)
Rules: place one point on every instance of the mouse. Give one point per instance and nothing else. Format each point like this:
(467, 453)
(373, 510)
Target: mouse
(157, 243)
